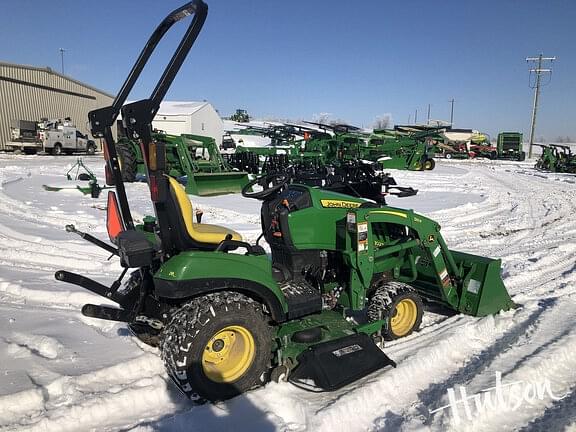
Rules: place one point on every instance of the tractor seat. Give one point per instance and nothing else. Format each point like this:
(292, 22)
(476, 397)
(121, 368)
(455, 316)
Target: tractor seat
(199, 233)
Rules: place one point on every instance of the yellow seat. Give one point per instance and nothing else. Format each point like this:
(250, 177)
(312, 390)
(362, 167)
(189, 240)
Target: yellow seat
(199, 232)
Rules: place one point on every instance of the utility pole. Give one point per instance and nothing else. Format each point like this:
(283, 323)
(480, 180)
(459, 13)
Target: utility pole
(62, 59)
(409, 118)
(538, 70)
(451, 111)
(428, 120)
(416, 117)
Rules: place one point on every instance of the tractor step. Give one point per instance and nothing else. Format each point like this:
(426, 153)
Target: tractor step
(339, 362)
(302, 298)
(106, 312)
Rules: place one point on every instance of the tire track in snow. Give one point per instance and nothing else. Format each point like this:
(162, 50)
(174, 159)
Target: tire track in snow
(89, 401)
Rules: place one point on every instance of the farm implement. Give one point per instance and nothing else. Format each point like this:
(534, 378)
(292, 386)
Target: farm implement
(344, 274)
(192, 159)
(556, 158)
(79, 172)
(509, 146)
(402, 148)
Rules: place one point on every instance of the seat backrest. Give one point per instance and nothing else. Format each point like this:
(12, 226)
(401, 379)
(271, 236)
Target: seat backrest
(183, 202)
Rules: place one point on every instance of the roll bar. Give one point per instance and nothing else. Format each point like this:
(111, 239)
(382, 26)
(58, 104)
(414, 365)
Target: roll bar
(137, 117)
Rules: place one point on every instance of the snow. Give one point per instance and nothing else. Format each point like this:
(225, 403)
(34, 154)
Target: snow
(180, 108)
(61, 371)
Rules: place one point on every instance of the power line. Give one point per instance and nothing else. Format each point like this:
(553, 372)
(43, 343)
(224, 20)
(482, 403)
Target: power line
(538, 71)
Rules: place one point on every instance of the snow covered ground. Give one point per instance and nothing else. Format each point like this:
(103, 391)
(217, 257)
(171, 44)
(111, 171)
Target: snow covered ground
(60, 371)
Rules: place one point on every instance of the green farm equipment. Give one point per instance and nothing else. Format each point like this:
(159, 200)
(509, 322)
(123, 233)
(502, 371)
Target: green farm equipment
(548, 158)
(240, 116)
(556, 158)
(330, 161)
(509, 146)
(400, 149)
(192, 159)
(566, 159)
(80, 172)
(344, 275)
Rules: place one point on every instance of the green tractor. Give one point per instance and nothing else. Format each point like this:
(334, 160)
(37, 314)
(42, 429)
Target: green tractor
(240, 116)
(344, 274)
(192, 159)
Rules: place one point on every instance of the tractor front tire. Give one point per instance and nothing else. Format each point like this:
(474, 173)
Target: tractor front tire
(429, 164)
(400, 305)
(127, 161)
(218, 346)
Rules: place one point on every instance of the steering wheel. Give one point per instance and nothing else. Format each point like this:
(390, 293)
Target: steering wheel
(271, 184)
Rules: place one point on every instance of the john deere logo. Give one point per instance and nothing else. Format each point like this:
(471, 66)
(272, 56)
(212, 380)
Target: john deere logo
(431, 238)
(339, 204)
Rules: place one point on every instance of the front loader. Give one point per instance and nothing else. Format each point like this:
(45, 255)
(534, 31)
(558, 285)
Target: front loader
(344, 273)
(193, 160)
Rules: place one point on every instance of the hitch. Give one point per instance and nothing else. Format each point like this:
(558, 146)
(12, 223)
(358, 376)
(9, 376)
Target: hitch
(72, 229)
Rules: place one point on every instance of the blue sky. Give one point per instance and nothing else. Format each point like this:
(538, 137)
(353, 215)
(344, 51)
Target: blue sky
(355, 60)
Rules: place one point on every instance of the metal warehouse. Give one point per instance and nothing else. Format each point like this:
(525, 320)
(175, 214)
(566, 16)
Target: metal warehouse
(32, 93)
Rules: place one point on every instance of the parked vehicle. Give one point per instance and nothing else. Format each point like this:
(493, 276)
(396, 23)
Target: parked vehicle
(61, 137)
(24, 137)
(510, 146)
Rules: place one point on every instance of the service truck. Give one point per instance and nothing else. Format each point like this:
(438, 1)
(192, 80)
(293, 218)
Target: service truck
(62, 137)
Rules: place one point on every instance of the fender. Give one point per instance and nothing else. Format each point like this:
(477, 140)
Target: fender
(192, 273)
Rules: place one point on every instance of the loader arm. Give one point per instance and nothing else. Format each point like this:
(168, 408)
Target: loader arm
(462, 282)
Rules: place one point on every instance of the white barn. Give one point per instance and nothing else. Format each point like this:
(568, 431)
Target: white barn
(199, 118)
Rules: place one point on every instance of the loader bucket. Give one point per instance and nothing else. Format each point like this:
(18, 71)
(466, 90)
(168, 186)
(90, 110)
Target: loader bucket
(483, 291)
(204, 184)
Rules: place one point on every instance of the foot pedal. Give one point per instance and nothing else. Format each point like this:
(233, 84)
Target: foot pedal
(339, 362)
(105, 312)
(302, 298)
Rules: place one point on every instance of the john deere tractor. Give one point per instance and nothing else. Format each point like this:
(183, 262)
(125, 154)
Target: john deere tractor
(344, 273)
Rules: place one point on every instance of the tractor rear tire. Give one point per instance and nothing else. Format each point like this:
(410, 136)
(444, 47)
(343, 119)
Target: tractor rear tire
(400, 305)
(127, 161)
(429, 164)
(218, 346)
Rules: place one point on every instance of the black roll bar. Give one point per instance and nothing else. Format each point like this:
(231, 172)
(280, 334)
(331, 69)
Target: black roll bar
(138, 121)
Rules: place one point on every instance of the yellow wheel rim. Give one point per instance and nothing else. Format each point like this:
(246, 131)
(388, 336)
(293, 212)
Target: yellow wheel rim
(228, 354)
(404, 318)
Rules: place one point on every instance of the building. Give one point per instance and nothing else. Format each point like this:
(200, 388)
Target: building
(32, 93)
(199, 118)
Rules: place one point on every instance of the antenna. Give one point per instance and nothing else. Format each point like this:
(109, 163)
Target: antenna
(62, 58)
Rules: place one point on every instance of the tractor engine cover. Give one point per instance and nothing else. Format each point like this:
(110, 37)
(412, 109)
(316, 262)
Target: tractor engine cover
(339, 362)
(134, 249)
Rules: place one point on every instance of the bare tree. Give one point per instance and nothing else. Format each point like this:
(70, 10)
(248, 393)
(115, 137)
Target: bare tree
(383, 122)
(322, 118)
